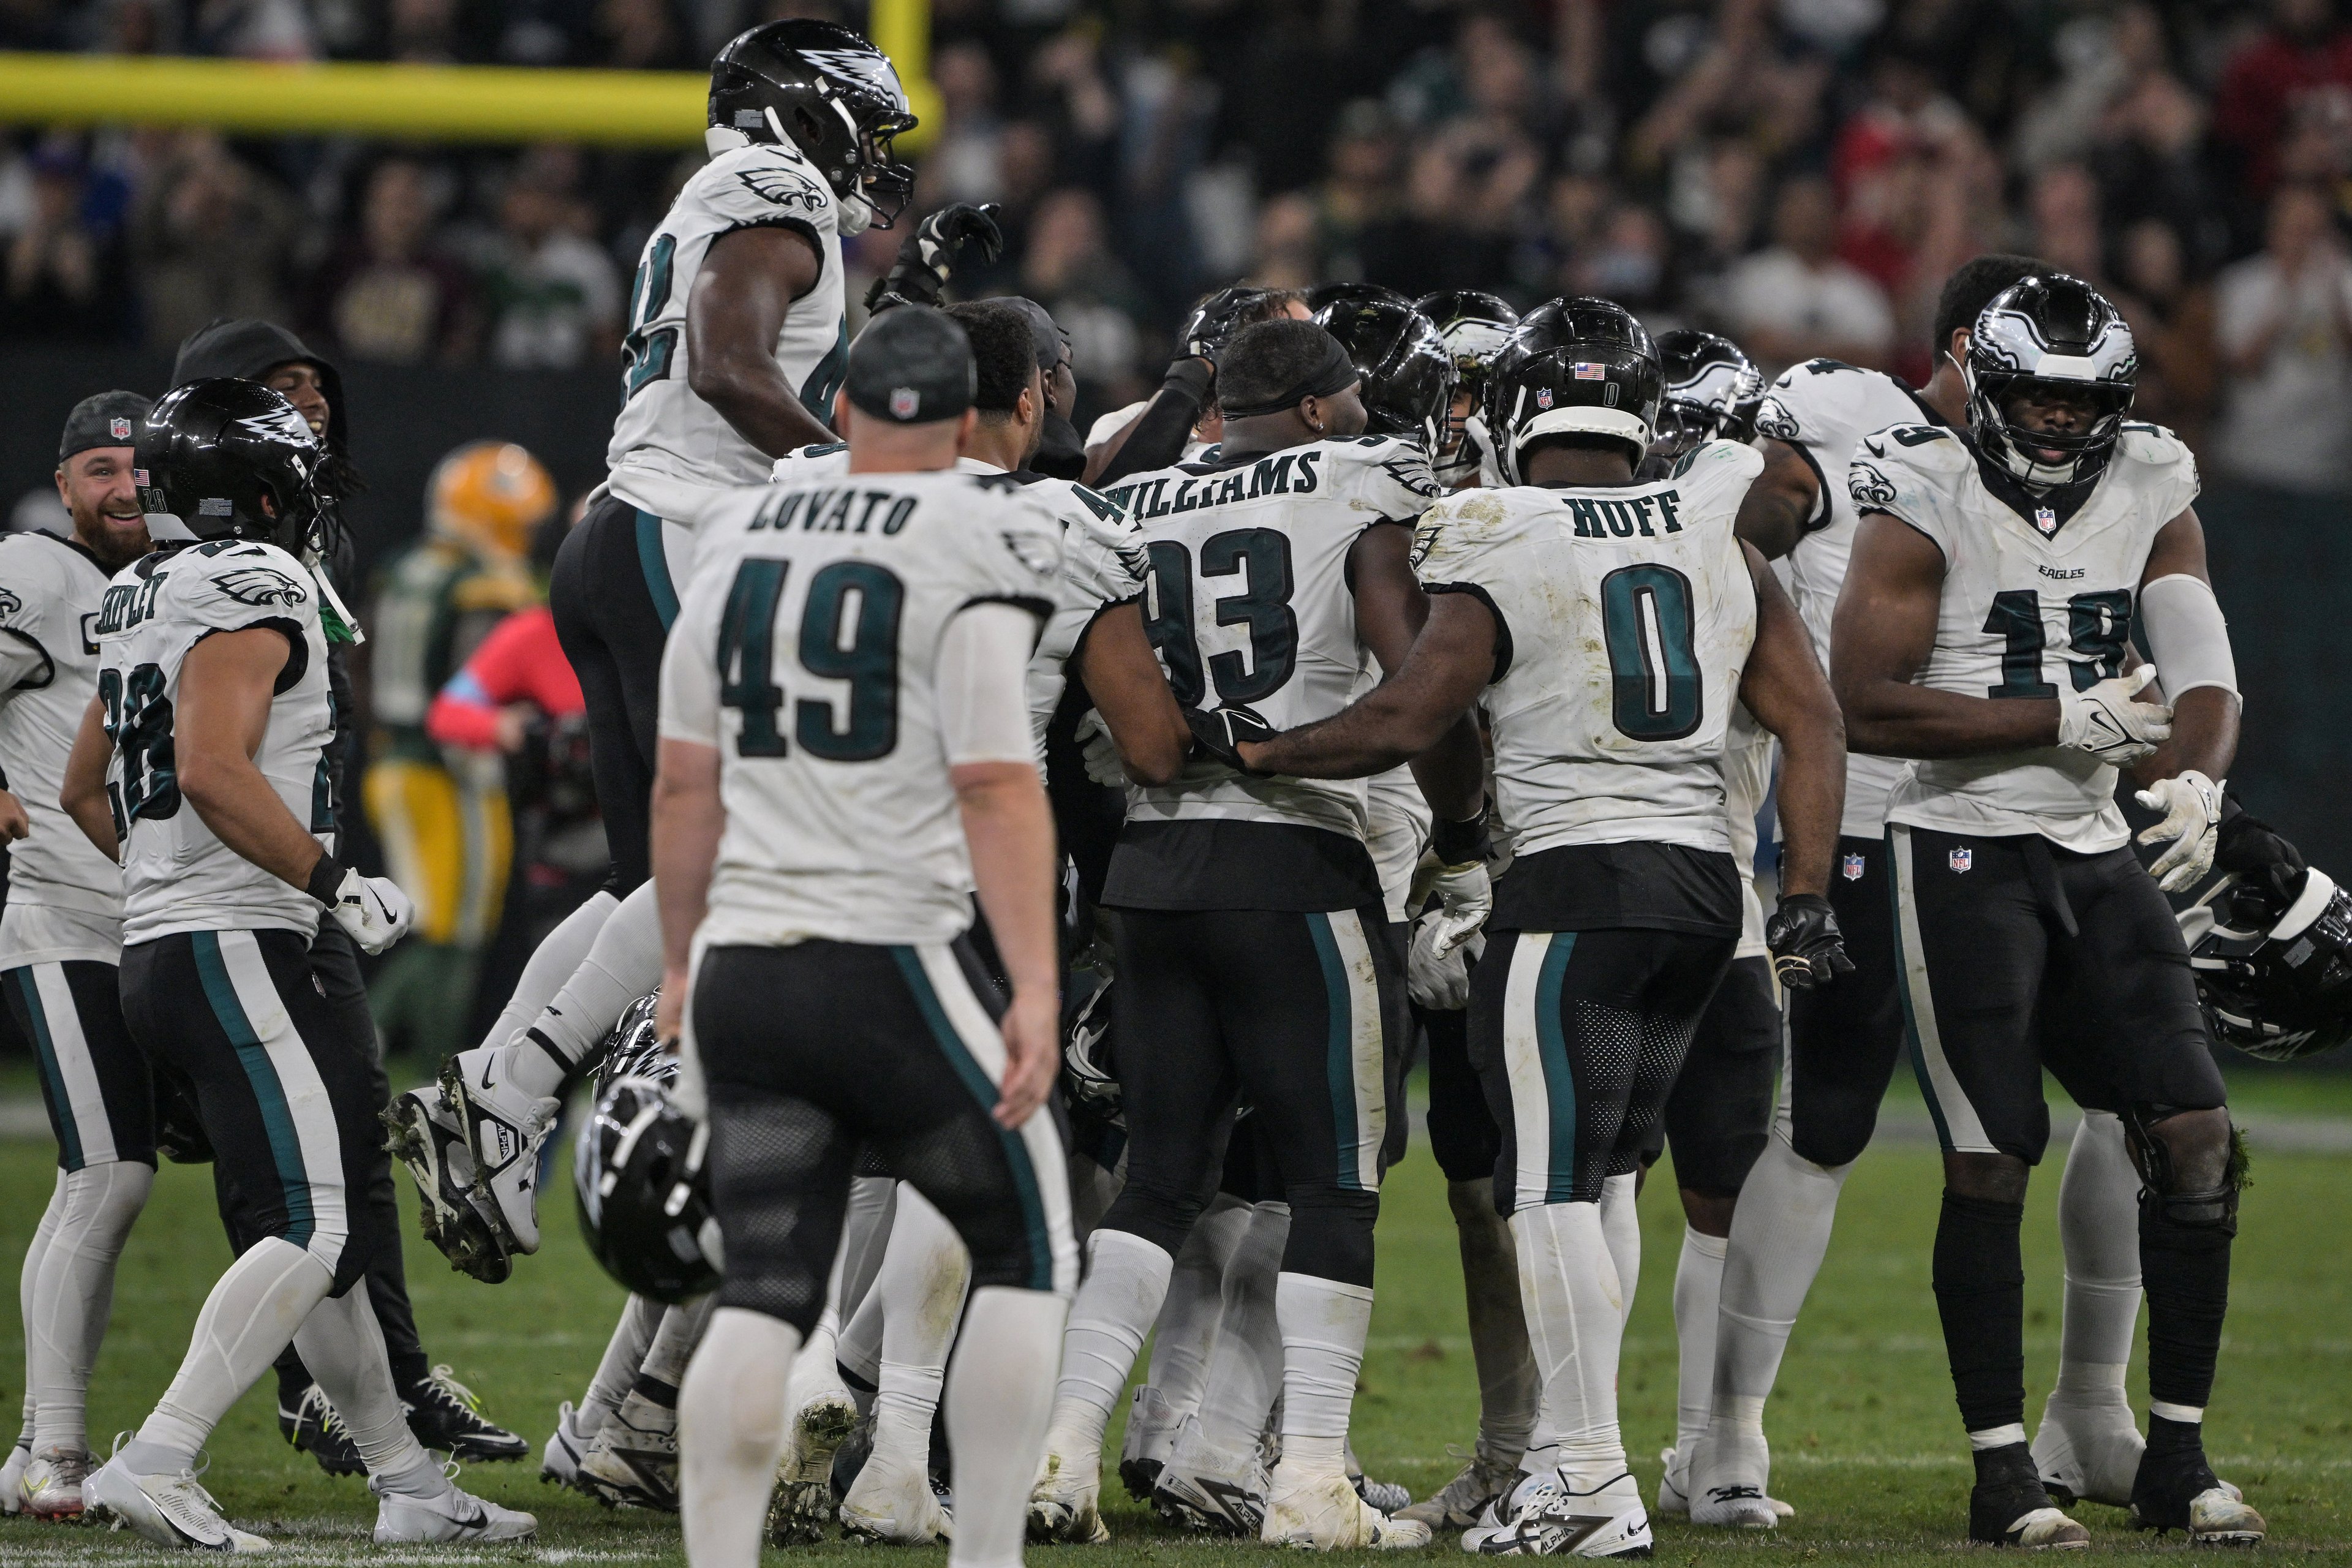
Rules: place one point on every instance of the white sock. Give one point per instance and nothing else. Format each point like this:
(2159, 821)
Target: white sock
(2098, 1226)
(1245, 1360)
(1127, 1277)
(997, 1415)
(248, 1319)
(814, 1375)
(632, 1336)
(1576, 1325)
(1324, 1323)
(1507, 1387)
(857, 1348)
(26, 1281)
(624, 963)
(1698, 1297)
(1780, 1233)
(864, 1236)
(75, 1294)
(1621, 1223)
(925, 1273)
(550, 964)
(731, 1433)
(1181, 1341)
(682, 1328)
(342, 1344)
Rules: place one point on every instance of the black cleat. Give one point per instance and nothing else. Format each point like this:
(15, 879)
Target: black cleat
(315, 1427)
(444, 1414)
(2177, 1491)
(2010, 1507)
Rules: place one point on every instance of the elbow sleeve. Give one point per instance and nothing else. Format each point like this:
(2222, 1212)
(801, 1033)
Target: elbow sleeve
(983, 698)
(2187, 635)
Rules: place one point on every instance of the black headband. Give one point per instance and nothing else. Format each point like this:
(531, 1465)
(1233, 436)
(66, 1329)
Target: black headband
(1335, 374)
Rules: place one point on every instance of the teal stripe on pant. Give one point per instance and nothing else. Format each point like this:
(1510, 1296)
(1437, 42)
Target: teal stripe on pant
(52, 1078)
(1559, 1078)
(278, 1121)
(986, 1093)
(656, 561)
(1340, 1060)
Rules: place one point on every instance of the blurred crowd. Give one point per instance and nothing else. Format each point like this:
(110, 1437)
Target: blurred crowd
(1799, 174)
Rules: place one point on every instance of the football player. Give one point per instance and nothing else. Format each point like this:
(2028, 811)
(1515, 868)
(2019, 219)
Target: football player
(736, 344)
(1474, 325)
(846, 755)
(1984, 631)
(60, 944)
(1181, 417)
(200, 760)
(1607, 625)
(1845, 1040)
(1252, 933)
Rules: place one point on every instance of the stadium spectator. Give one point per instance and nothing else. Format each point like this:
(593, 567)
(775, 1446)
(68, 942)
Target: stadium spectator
(2303, 57)
(387, 293)
(62, 279)
(2284, 320)
(1069, 269)
(2171, 317)
(2063, 207)
(1797, 300)
(208, 237)
(553, 295)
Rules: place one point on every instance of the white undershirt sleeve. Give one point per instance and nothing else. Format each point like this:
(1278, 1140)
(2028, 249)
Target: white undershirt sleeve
(2187, 635)
(982, 687)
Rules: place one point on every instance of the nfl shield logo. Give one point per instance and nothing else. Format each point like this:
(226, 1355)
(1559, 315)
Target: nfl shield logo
(2045, 519)
(905, 402)
(1963, 857)
(1852, 866)
(1543, 397)
(119, 427)
(1592, 372)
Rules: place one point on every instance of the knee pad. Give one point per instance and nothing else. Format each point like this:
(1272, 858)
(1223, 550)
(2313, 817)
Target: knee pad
(2161, 1198)
(2215, 1209)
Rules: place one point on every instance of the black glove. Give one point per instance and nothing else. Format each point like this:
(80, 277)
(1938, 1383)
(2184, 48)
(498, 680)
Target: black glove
(1211, 325)
(1807, 948)
(1219, 731)
(2270, 872)
(927, 256)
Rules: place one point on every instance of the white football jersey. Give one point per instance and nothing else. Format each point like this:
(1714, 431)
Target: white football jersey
(176, 876)
(1747, 779)
(1400, 820)
(64, 897)
(1625, 616)
(1249, 606)
(2032, 597)
(1823, 408)
(669, 446)
(805, 651)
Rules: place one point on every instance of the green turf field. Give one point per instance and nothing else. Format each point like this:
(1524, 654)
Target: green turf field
(1866, 1439)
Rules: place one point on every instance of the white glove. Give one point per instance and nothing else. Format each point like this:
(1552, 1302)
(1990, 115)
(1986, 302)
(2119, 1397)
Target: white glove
(373, 909)
(1440, 983)
(2191, 805)
(2109, 721)
(1465, 898)
(689, 1092)
(1099, 751)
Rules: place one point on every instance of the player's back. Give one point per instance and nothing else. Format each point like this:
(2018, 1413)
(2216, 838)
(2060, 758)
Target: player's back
(1625, 616)
(177, 875)
(806, 650)
(49, 594)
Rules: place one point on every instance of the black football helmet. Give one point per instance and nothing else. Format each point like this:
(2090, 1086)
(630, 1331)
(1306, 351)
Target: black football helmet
(1473, 324)
(226, 458)
(1408, 376)
(637, 1171)
(823, 87)
(1324, 295)
(1573, 367)
(1713, 390)
(2274, 983)
(2051, 332)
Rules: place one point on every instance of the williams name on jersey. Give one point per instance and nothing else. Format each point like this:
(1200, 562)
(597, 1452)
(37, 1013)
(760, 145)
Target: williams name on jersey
(2038, 589)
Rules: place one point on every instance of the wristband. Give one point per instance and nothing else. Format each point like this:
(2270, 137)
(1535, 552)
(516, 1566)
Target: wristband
(1190, 378)
(326, 879)
(1459, 843)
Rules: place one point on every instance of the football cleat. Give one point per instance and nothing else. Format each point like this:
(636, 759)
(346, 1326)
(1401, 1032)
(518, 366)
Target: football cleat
(12, 1470)
(1458, 1504)
(1066, 1504)
(894, 1506)
(1724, 1481)
(51, 1486)
(802, 1505)
(315, 1427)
(2088, 1452)
(452, 1516)
(504, 1130)
(559, 1457)
(2009, 1507)
(1389, 1497)
(423, 1134)
(1195, 1493)
(171, 1511)
(1151, 1427)
(1546, 1515)
(446, 1415)
(1320, 1511)
(632, 1462)
(2178, 1492)
(1673, 1502)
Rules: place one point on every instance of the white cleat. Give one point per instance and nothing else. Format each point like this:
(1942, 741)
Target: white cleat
(170, 1510)
(632, 1462)
(12, 1470)
(802, 1505)
(1196, 1492)
(1546, 1515)
(423, 1134)
(2218, 1517)
(1318, 1511)
(1724, 1481)
(559, 1457)
(894, 1506)
(1065, 1503)
(504, 1128)
(1152, 1425)
(51, 1486)
(1673, 1501)
(1461, 1502)
(453, 1516)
